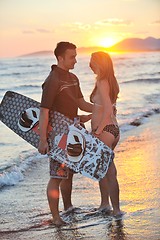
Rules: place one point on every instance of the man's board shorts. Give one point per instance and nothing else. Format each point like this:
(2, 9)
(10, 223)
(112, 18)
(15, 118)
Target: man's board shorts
(59, 170)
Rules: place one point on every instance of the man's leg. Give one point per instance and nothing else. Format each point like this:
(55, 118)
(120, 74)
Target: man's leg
(66, 191)
(57, 172)
(53, 199)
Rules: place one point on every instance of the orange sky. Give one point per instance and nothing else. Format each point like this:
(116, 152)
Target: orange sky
(36, 25)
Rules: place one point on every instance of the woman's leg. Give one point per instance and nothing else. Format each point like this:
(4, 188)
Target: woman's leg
(113, 187)
(103, 186)
(109, 184)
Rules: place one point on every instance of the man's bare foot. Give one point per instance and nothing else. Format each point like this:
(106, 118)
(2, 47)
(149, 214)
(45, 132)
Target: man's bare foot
(58, 222)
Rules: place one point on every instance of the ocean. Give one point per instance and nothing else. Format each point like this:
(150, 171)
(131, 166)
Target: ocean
(138, 104)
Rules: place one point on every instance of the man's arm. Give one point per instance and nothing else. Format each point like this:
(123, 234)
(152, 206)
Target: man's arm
(85, 118)
(87, 107)
(84, 106)
(43, 125)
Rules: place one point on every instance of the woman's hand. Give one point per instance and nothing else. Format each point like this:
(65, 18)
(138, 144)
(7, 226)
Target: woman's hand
(96, 133)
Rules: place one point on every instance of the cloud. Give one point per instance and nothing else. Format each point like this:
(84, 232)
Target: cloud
(129, 0)
(156, 22)
(42, 30)
(114, 22)
(141, 32)
(28, 32)
(82, 25)
(76, 26)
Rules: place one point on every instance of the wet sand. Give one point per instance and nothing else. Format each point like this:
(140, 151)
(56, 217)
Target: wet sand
(24, 212)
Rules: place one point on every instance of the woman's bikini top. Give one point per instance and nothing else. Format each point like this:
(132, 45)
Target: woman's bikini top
(97, 104)
(94, 102)
(100, 105)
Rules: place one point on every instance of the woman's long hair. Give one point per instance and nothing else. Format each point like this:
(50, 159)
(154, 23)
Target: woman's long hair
(105, 66)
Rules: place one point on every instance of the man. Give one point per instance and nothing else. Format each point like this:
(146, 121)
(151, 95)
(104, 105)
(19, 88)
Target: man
(61, 92)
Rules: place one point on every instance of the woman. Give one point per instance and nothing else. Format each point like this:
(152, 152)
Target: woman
(104, 124)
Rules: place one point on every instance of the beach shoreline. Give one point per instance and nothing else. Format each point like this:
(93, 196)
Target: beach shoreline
(137, 161)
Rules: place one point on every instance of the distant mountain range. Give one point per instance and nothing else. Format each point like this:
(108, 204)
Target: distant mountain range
(137, 44)
(126, 45)
(129, 45)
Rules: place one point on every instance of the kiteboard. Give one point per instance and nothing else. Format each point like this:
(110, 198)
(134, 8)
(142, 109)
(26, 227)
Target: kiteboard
(69, 142)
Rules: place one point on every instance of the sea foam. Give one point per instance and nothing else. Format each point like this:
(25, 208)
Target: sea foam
(15, 173)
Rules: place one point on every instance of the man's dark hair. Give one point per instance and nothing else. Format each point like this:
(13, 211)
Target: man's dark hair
(62, 47)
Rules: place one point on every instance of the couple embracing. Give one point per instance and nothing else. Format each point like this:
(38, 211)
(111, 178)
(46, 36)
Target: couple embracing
(61, 92)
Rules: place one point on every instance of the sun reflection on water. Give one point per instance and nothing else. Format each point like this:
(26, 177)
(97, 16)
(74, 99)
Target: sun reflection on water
(138, 178)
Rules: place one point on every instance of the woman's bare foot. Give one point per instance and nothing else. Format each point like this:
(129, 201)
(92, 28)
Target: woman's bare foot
(105, 208)
(58, 222)
(118, 214)
(69, 210)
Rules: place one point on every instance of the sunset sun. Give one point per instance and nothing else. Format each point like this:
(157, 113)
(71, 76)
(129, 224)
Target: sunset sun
(107, 42)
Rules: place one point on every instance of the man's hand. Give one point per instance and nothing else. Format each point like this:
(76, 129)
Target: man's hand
(85, 118)
(43, 147)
